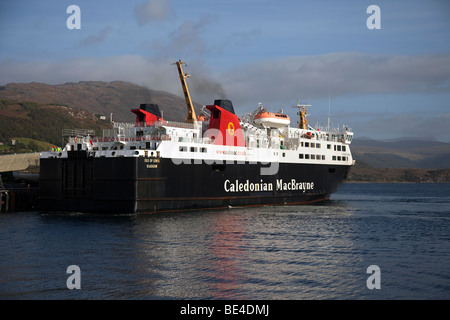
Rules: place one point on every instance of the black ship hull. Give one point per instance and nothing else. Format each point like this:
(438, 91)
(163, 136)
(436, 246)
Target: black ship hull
(146, 185)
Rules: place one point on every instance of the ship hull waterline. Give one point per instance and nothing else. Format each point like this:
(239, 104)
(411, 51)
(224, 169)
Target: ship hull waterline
(149, 185)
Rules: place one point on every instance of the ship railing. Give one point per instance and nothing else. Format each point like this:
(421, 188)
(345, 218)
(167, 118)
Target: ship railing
(140, 125)
(324, 133)
(176, 124)
(124, 124)
(78, 132)
(168, 123)
(127, 131)
(131, 139)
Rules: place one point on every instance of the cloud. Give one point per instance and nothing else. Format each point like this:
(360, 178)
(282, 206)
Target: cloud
(243, 38)
(133, 68)
(390, 125)
(154, 73)
(153, 10)
(341, 73)
(96, 39)
(186, 40)
(268, 81)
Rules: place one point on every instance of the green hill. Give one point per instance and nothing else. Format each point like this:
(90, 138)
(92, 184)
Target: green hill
(27, 126)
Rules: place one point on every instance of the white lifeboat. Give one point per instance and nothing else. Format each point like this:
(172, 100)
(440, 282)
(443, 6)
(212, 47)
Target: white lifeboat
(271, 119)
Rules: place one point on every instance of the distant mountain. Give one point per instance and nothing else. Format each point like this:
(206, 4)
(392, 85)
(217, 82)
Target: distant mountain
(98, 97)
(361, 172)
(408, 153)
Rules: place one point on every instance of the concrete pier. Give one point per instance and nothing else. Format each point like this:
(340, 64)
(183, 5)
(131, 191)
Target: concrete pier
(18, 161)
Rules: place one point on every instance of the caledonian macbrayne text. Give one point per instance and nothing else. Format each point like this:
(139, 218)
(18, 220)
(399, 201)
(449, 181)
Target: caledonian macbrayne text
(280, 184)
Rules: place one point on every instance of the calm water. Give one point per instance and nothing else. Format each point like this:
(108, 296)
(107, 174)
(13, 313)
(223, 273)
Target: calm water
(302, 252)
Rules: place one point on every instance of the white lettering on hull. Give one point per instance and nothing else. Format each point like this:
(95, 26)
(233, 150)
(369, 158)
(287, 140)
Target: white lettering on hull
(247, 186)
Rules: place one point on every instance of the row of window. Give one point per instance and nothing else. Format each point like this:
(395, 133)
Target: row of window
(318, 145)
(192, 149)
(320, 157)
(311, 156)
(310, 144)
(338, 148)
(300, 156)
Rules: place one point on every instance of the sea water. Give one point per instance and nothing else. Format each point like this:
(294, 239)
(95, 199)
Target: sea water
(370, 241)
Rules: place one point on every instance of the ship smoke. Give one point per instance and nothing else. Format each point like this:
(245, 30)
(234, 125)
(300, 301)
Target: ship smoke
(206, 89)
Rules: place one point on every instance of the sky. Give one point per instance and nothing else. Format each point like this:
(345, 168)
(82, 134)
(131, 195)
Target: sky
(385, 83)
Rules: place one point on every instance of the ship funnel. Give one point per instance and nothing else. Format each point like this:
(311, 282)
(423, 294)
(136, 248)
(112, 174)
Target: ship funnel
(147, 114)
(225, 104)
(151, 108)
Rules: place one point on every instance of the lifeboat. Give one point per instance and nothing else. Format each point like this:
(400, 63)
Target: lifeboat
(271, 119)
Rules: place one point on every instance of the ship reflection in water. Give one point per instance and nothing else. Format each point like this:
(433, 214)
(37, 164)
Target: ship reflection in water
(252, 253)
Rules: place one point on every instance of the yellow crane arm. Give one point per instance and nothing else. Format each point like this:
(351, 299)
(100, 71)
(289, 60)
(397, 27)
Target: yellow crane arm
(191, 117)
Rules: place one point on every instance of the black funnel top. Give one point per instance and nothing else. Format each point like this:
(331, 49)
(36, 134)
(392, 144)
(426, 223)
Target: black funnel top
(225, 104)
(152, 108)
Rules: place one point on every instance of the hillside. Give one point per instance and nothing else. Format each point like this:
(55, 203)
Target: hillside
(402, 160)
(42, 123)
(406, 153)
(40, 111)
(98, 97)
(362, 172)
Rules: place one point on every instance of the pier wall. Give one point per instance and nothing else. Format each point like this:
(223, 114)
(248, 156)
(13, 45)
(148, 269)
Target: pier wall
(15, 200)
(19, 161)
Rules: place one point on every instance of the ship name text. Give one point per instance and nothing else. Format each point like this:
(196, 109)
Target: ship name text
(279, 184)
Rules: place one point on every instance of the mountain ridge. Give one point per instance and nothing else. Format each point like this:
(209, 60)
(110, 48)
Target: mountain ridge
(99, 97)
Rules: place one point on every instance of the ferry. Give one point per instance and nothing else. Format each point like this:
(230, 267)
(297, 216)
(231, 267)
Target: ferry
(214, 160)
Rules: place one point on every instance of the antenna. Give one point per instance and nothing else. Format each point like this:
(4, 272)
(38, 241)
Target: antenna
(329, 110)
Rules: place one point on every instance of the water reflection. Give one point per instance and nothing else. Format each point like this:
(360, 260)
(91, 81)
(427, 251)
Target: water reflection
(269, 252)
(192, 255)
(227, 244)
(297, 252)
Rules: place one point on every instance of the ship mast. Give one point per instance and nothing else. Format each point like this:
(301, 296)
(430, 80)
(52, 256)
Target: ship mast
(191, 117)
(303, 124)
